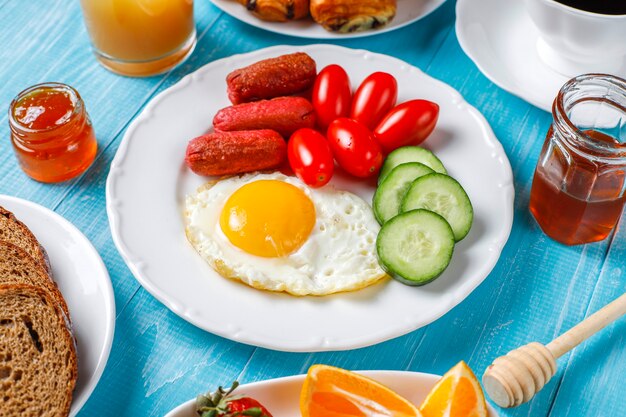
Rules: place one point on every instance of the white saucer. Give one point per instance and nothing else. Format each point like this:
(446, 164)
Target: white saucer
(84, 282)
(502, 41)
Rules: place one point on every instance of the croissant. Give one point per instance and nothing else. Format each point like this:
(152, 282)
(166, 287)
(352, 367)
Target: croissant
(277, 10)
(352, 15)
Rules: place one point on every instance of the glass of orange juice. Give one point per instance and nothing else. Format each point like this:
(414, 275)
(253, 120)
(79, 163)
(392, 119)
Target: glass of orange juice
(140, 37)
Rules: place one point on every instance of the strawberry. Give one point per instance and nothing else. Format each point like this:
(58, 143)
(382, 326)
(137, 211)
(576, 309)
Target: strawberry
(222, 403)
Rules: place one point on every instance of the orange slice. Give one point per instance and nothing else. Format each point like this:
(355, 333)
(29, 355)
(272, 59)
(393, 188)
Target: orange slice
(457, 394)
(335, 392)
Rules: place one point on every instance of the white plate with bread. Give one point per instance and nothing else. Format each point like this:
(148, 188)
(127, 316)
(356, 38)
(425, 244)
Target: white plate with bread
(57, 312)
(361, 19)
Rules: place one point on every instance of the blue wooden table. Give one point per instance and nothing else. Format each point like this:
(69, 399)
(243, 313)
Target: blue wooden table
(537, 290)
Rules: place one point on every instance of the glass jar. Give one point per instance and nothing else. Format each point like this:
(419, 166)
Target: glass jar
(51, 132)
(140, 37)
(578, 190)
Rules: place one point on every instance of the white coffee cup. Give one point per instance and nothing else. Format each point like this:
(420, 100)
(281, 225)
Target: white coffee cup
(574, 41)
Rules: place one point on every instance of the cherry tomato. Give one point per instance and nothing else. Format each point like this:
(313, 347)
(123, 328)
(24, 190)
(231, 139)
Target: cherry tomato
(376, 95)
(354, 147)
(310, 157)
(408, 123)
(331, 95)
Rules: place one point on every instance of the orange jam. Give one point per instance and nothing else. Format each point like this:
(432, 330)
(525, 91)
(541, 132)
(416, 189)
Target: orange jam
(51, 132)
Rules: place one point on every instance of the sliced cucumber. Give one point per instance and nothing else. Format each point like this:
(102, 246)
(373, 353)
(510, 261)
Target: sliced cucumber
(390, 192)
(415, 247)
(445, 196)
(410, 154)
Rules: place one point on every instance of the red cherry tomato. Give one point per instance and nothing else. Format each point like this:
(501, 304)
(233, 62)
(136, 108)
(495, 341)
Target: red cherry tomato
(354, 147)
(310, 157)
(331, 95)
(408, 123)
(376, 95)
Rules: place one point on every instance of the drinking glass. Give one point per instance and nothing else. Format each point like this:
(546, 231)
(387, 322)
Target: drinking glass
(140, 37)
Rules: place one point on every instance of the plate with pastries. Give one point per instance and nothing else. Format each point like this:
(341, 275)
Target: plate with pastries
(57, 312)
(328, 19)
(323, 198)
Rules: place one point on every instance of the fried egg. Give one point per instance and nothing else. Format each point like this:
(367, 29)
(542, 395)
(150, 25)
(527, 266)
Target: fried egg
(275, 233)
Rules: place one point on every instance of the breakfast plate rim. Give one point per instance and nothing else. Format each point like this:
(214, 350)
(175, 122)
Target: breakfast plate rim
(248, 18)
(373, 374)
(253, 339)
(104, 283)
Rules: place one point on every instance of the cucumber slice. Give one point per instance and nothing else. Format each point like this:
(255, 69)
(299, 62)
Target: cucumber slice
(445, 196)
(411, 154)
(390, 192)
(415, 247)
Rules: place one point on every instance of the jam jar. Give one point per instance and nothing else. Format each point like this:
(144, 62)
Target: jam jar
(51, 132)
(578, 190)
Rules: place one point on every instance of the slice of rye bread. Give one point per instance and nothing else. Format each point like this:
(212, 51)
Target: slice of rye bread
(17, 267)
(38, 365)
(14, 231)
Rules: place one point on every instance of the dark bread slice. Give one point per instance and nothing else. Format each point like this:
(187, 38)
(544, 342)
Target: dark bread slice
(38, 366)
(14, 231)
(17, 267)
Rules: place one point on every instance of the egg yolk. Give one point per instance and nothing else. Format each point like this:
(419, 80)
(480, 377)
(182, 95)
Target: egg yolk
(268, 218)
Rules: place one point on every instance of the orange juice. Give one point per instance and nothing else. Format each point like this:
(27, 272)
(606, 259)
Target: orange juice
(140, 37)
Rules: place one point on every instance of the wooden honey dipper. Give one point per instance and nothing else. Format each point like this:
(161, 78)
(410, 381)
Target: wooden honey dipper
(515, 378)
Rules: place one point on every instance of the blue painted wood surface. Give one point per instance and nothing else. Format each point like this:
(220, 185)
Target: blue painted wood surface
(537, 290)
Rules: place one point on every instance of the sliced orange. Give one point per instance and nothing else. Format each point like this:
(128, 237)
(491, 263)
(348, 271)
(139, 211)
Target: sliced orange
(457, 394)
(335, 392)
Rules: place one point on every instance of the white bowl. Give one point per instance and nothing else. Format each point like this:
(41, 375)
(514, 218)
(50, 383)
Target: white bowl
(575, 41)
(281, 396)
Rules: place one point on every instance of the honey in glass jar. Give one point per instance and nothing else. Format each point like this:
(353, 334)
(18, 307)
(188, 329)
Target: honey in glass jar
(51, 132)
(579, 188)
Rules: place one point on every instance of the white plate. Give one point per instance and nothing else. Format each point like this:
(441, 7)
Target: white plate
(502, 41)
(148, 182)
(84, 281)
(409, 11)
(281, 396)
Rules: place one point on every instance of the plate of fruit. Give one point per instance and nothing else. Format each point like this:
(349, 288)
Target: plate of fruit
(310, 198)
(328, 391)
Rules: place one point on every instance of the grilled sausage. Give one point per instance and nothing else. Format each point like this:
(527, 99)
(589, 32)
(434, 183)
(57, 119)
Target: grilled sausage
(283, 114)
(274, 77)
(229, 153)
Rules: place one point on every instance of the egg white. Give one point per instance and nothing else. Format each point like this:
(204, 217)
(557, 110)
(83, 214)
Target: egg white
(339, 254)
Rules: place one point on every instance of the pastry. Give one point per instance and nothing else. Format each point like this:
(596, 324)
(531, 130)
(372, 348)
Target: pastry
(277, 10)
(347, 16)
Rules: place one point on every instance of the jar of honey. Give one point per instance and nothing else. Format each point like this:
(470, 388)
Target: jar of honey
(51, 132)
(578, 191)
